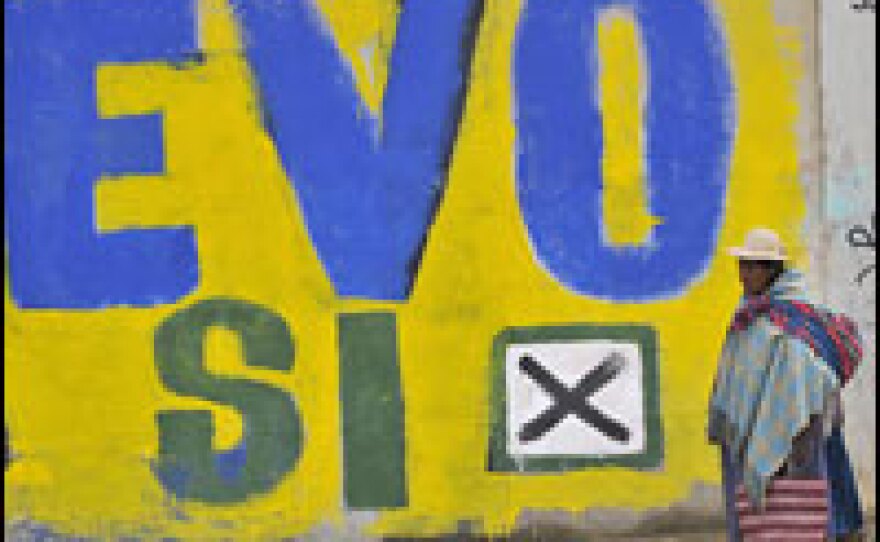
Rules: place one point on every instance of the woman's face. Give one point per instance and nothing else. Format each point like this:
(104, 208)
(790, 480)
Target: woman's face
(755, 276)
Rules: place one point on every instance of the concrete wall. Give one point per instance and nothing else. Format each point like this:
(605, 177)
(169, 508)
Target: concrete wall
(294, 370)
(845, 210)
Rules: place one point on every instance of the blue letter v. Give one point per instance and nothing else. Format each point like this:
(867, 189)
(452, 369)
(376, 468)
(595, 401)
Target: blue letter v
(368, 188)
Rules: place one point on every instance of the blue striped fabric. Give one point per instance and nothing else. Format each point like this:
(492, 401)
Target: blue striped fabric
(846, 507)
(833, 337)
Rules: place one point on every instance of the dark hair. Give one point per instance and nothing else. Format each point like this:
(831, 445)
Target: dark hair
(776, 268)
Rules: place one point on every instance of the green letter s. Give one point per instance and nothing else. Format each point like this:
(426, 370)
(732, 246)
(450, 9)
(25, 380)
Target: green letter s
(272, 432)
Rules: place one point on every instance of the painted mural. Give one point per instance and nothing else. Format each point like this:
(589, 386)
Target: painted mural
(271, 263)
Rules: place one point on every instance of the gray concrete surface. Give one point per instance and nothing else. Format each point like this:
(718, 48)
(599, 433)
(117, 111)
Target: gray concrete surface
(848, 53)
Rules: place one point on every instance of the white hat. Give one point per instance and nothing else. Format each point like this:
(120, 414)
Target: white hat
(760, 244)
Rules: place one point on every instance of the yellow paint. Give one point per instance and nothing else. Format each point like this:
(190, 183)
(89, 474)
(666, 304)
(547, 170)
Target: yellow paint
(82, 389)
(622, 84)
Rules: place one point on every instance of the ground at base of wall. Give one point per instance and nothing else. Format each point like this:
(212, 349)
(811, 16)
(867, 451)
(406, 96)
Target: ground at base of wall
(564, 535)
(28, 532)
(657, 530)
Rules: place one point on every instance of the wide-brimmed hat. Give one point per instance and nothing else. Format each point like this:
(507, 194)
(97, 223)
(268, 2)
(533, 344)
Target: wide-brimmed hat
(761, 244)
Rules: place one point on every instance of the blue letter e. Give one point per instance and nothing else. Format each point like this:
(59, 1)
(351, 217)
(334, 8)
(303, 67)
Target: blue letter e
(57, 147)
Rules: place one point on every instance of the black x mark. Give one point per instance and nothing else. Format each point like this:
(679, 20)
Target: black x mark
(574, 400)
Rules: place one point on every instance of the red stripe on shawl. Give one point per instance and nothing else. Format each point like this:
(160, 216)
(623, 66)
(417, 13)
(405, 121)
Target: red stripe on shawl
(847, 329)
(834, 325)
(832, 329)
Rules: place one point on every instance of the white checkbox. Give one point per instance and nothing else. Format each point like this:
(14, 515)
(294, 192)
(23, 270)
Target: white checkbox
(621, 399)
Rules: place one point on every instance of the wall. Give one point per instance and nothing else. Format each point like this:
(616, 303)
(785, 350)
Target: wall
(847, 206)
(264, 281)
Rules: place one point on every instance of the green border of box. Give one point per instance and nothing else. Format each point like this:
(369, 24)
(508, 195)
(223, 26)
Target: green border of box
(500, 461)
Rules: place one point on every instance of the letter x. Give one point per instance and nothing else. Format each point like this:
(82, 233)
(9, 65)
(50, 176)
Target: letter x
(573, 400)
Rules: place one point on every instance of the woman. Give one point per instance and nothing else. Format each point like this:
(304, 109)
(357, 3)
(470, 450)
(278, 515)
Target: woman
(775, 408)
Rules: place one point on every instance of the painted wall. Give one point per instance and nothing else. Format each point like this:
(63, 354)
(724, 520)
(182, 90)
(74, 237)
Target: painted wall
(339, 267)
(848, 203)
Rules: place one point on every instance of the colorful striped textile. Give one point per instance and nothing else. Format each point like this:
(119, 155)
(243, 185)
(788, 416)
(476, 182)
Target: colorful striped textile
(833, 337)
(767, 388)
(794, 511)
(729, 415)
